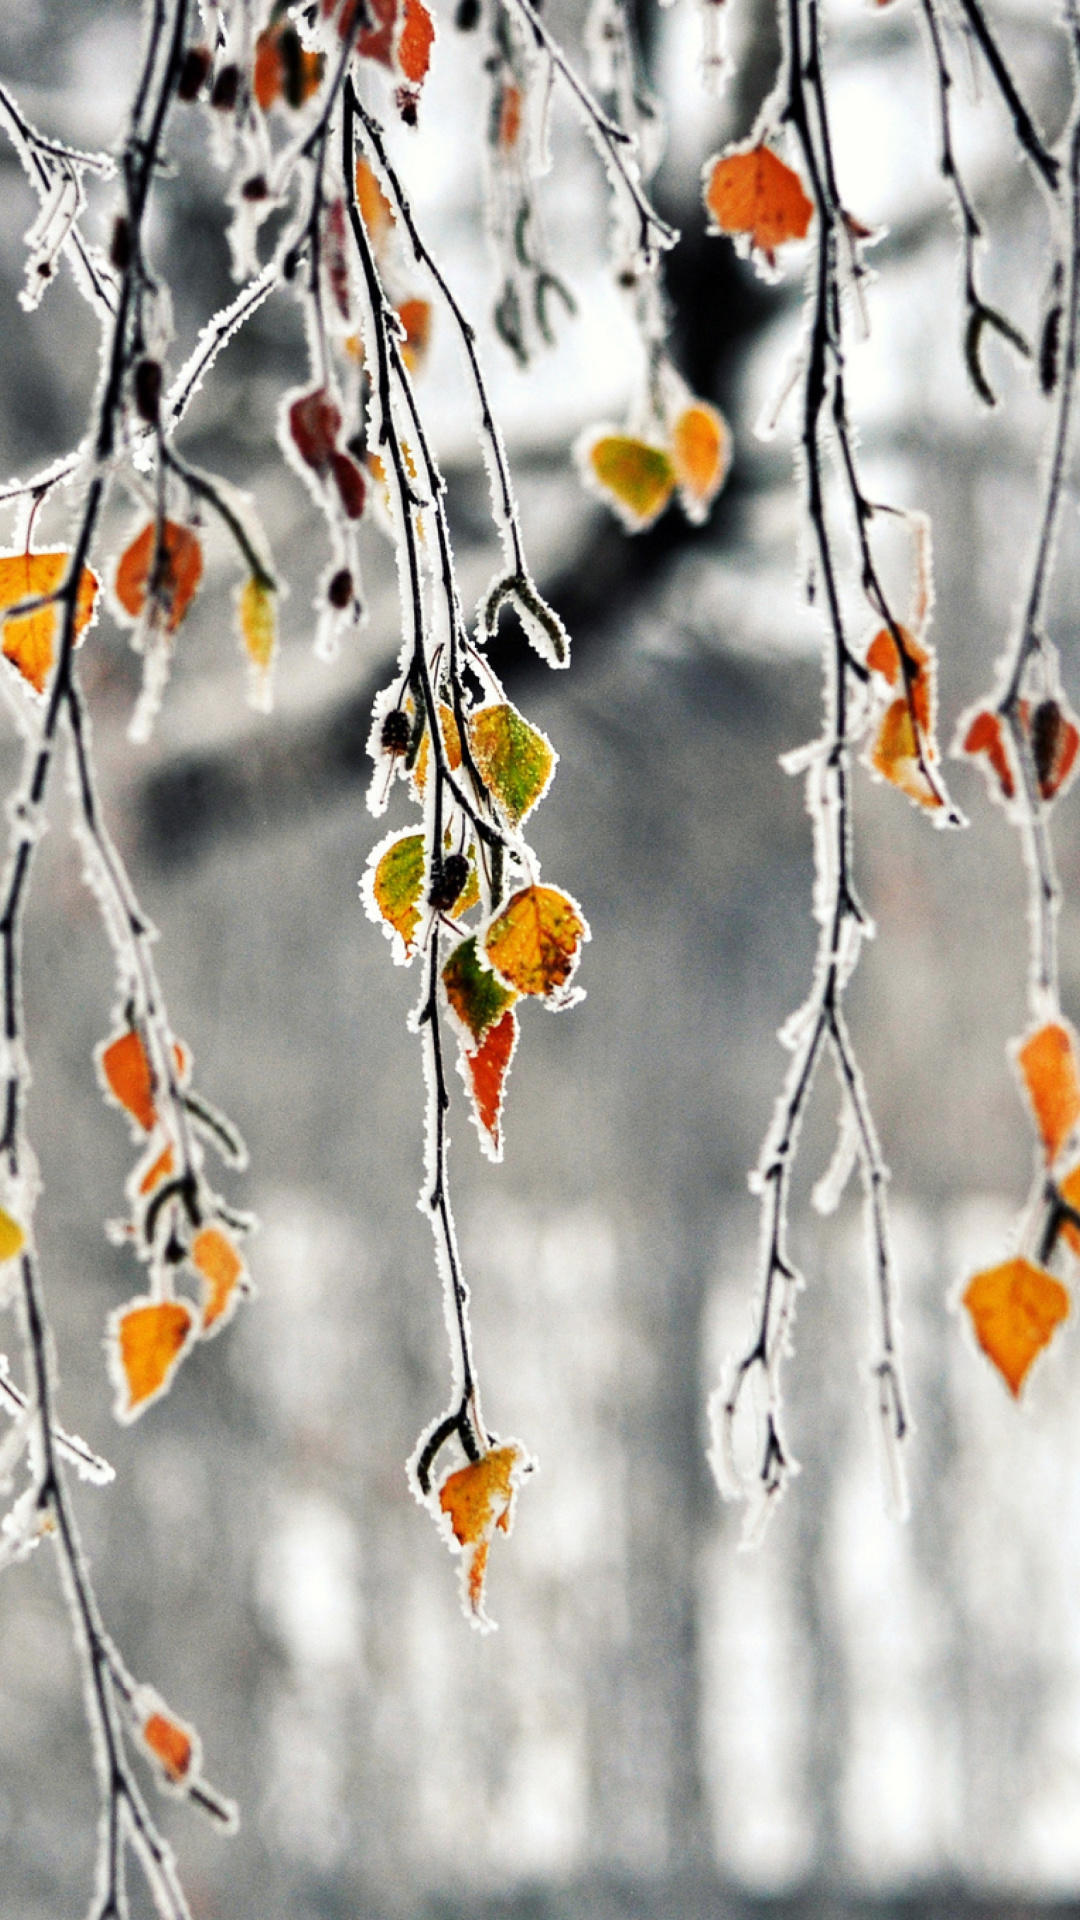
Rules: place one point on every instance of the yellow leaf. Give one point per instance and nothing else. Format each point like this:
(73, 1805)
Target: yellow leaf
(29, 641)
(448, 726)
(393, 886)
(258, 622)
(1014, 1310)
(535, 942)
(635, 478)
(12, 1237)
(477, 1499)
(147, 1341)
(895, 755)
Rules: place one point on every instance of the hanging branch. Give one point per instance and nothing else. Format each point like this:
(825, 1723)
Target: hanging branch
(1027, 740)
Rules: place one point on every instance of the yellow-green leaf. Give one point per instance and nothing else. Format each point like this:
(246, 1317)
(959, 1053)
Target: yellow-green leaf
(535, 942)
(476, 996)
(258, 622)
(394, 884)
(635, 478)
(515, 759)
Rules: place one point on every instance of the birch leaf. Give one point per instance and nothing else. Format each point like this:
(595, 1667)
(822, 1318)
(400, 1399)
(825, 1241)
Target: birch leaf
(168, 575)
(172, 1745)
(701, 456)
(633, 477)
(535, 942)
(1055, 740)
(222, 1273)
(29, 640)
(1047, 1064)
(451, 740)
(415, 317)
(982, 737)
(1014, 1310)
(392, 888)
(125, 1070)
(476, 1500)
(475, 995)
(1069, 1189)
(895, 755)
(754, 195)
(147, 1340)
(515, 759)
(256, 613)
(12, 1237)
(484, 1072)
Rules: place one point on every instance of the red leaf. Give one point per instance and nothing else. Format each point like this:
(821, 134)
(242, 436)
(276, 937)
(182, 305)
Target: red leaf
(314, 423)
(485, 1075)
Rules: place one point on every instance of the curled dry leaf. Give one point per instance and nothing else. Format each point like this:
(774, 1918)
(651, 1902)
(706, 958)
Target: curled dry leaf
(475, 1500)
(635, 478)
(753, 195)
(1015, 1308)
(515, 759)
(1055, 741)
(125, 1071)
(392, 888)
(701, 457)
(223, 1276)
(29, 641)
(1047, 1064)
(903, 750)
(535, 942)
(474, 994)
(146, 1342)
(166, 572)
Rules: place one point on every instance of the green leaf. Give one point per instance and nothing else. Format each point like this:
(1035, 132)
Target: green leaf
(515, 759)
(477, 998)
(394, 883)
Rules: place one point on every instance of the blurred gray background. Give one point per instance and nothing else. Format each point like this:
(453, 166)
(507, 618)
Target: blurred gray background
(861, 1716)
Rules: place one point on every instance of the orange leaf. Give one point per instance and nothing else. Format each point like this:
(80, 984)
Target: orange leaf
(1047, 1065)
(476, 1500)
(986, 736)
(895, 755)
(220, 1267)
(484, 1073)
(1014, 1310)
(415, 317)
(635, 478)
(701, 456)
(1069, 1188)
(535, 942)
(126, 1072)
(171, 1744)
(883, 656)
(168, 574)
(755, 194)
(159, 1170)
(29, 640)
(509, 115)
(148, 1340)
(452, 741)
(375, 210)
(415, 44)
(268, 78)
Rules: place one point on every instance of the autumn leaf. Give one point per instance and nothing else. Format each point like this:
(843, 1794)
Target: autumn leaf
(12, 1237)
(475, 1500)
(375, 210)
(634, 478)
(981, 736)
(451, 740)
(484, 1072)
(146, 1341)
(1014, 1310)
(1069, 1189)
(515, 760)
(535, 942)
(753, 195)
(883, 656)
(895, 755)
(475, 996)
(125, 1070)
(166, 573)
(392, 888)
(701, 456)
(171, 1744)
(160, 1168)
(415, 317)
(415, 42)
(1047, 1064)
(30, 639)
(1055, 740)
(222, 1272)
(314, 424)
(284, 68)
(508, 116)
(256, 613)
